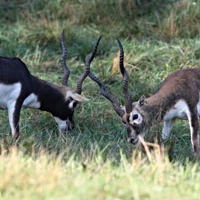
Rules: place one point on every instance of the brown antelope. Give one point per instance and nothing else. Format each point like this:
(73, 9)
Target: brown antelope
(18, 88)
(177, 97)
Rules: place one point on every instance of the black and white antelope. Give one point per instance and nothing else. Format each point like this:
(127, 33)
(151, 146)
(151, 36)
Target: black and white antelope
(18, 88)
(177, 97)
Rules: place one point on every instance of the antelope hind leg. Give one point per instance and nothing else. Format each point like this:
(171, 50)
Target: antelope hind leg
(194, 129)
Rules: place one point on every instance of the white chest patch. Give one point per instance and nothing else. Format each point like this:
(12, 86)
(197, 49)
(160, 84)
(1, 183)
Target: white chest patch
(179, 110)
(31, 101)
(8, 94)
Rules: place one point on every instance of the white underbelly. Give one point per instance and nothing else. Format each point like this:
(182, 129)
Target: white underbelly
(8, 94)
(179, 110)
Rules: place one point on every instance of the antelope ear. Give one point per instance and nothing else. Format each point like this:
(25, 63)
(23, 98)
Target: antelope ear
(134, 104)
(142, 100)
(75, 96)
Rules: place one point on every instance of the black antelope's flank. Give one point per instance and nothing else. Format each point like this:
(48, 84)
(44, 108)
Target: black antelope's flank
(177, 97)
(18, 88)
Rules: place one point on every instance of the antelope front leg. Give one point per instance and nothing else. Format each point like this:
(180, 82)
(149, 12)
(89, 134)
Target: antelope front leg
(14, 108)
(194, 126)
(167, 127)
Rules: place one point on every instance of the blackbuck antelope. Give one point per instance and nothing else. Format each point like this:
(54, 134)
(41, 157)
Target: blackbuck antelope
(177, 97)
(18, 88)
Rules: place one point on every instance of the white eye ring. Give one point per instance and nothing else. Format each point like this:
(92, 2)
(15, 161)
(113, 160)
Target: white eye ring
(135, 121)
(72, 104)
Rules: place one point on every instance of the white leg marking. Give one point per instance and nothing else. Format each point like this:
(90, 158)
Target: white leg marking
(198, 106)
(191, 128)
(11, 109)
(8, 99)
(167, 127)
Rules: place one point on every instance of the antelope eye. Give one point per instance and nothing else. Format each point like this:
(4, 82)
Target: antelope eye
(69, 100)
(75, 104)
(135, 116)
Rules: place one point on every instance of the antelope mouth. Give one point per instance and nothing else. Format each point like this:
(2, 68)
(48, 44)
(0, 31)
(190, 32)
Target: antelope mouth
(133, 141)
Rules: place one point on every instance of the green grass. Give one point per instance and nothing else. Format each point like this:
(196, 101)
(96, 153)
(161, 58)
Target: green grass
(95, 161)
(48, 177)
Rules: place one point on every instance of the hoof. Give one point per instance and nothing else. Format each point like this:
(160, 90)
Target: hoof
(15, 136)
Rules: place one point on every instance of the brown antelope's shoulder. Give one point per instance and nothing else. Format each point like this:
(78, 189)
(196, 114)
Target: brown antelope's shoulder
(184, 78)
(185, 73)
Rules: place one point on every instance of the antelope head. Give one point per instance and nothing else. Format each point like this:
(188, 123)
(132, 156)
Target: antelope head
(132, 114)
(72, 98)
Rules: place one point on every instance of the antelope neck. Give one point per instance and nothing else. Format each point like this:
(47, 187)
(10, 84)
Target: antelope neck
(48, 95)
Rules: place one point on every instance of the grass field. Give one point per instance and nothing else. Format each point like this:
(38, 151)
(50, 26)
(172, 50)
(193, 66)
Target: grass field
(95, 161)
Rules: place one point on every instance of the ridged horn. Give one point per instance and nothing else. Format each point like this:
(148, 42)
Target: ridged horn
(63, 61)
(88, 60)
(124, 73)
(108, 96)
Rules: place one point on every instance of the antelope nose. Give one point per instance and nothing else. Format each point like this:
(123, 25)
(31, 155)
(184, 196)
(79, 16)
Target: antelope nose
(70, 126)
(63, 130)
